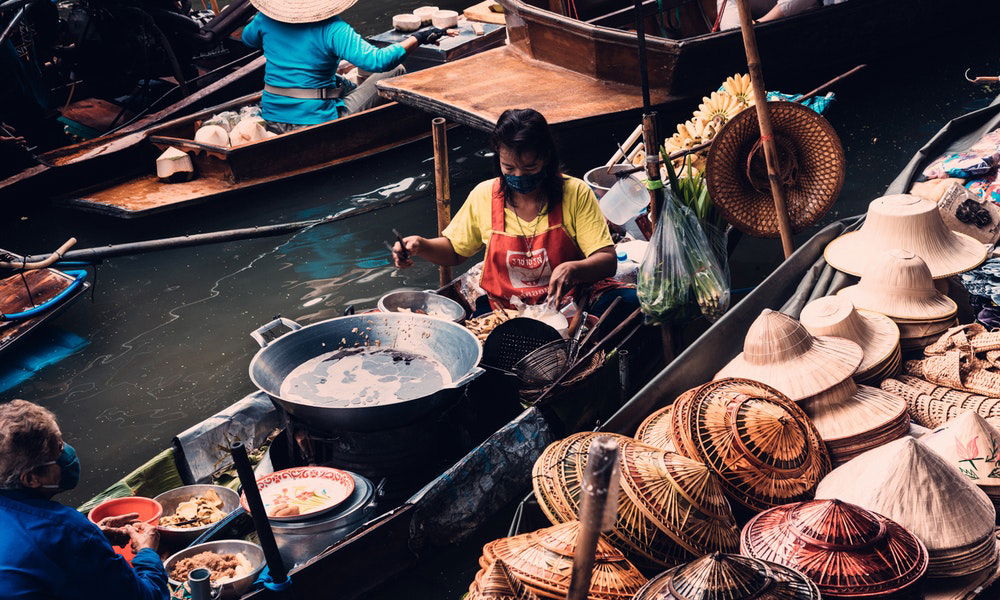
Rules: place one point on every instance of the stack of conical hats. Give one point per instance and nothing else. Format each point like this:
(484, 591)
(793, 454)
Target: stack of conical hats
(877, 334)
(909, 483)
(972, 445)
(729, 577)
(848, 551)
(497, 583)
(655, 430)
(779, 352)
(853, 419)
(764, 448)
(543, 562)
(911, 223)
(672, 508)
(898, 284)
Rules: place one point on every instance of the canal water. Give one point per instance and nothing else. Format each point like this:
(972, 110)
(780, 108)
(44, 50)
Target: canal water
(163, 342)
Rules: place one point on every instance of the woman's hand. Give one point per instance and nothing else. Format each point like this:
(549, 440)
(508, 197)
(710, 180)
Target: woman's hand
(403, 255)
(562, 280)
(116, 528)
(143, 535)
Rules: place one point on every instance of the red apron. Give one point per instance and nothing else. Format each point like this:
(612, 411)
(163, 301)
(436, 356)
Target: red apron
(516, 265)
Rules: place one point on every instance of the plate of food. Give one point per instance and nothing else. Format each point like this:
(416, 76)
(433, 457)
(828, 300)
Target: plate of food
(302, 492)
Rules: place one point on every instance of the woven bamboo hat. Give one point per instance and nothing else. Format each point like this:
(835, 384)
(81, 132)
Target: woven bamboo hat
(764, 448)
(543, 561)
(780, 352)
(302, 11)
(848, 551)
(898, 284)
(720, 576)
(811, 169)
(853, 419)
(972, 445)
(836, 316)
(909, 483)
(655, 430)
(912, 223)
(496, 583)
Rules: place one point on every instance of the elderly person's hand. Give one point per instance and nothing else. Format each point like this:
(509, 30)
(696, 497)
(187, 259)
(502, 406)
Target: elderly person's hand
(116, 530)
(143, 535)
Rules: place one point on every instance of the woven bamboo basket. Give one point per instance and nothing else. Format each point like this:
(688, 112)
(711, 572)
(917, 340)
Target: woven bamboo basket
(898, 284)
(779, 352)
(972, 445)
(848, 551)
(876, 334)
(910, 484)
(910, 222)
(765, 449)
(932, 405)
(729, 577)
(543, 561)
(496, 583)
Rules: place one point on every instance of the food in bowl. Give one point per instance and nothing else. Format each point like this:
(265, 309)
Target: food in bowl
(199, 511)
(223, 567)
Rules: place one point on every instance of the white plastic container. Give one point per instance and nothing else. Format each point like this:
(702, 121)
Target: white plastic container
(624, 201)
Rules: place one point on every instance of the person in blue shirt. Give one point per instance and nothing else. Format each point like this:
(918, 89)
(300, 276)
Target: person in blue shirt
(50, 551)
(304, 42)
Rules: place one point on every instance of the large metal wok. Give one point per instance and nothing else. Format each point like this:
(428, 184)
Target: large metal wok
(452, 345)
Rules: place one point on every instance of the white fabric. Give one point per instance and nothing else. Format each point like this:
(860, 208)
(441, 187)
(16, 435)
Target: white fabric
(759, 8)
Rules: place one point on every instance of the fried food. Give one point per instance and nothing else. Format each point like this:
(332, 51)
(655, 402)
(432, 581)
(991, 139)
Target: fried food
(483, 326)
(223, 567)
(199, 511)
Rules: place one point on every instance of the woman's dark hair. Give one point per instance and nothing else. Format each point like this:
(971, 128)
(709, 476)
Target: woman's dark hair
(526, 130)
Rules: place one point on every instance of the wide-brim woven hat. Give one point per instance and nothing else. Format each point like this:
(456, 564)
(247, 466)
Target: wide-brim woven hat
(836, 316)
(912, 223)
(720, 576)
(302, 11)
(496, 583)
(898, 284)
(848, 551)
(810, 166)
(779, 352)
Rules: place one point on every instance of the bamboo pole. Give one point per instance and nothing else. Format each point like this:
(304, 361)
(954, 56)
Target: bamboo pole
(442, 185)
(215, 7)
(597, 512)
(766, 130)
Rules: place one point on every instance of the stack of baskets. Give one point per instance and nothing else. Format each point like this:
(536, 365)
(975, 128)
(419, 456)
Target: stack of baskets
(910, 484)
(542, 561)
(875, 333)
(763, 447)
(970, 444)
(849, 552)
(729, 577)
(672, 509)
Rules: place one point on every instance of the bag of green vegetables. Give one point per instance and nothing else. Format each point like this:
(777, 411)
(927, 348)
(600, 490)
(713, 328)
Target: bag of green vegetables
(680, 269)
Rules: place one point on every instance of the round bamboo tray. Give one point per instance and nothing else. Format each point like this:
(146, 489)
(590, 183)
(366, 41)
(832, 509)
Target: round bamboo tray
(729, 577)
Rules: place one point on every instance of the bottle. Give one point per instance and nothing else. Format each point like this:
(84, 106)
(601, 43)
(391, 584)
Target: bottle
(627, 271)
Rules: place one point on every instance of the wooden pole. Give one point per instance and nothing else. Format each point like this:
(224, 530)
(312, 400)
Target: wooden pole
(215, 7)
(442, 184)
(597, 512)
(766, 130)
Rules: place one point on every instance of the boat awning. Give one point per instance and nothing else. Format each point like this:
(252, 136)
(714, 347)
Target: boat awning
(475, 90)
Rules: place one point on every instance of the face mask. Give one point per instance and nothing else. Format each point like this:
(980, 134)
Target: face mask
(69, 465)
(524, 184)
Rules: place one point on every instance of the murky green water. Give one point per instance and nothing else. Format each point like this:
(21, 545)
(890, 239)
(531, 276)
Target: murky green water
(164, 340)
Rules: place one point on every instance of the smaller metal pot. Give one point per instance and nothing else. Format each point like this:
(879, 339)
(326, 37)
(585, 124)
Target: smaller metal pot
(230, 589)
(419, 300)
(169, 500)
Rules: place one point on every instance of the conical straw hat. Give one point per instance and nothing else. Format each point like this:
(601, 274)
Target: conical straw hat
(910, 222)
(836, 316)
(848, 551)
(909, 483)
(765, 449)
(779, 352)
(850, 410)
(972, 445)
(655, 430)
(543, 561)
(720, 576)
(302, 11)
(496, 583)
(898, 284)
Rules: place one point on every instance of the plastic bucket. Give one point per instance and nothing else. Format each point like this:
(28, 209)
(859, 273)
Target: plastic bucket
(600, 180)
(149, 510)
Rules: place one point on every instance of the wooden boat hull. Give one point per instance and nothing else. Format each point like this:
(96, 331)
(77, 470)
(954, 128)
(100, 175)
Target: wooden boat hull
(44, 285)
(223, 171)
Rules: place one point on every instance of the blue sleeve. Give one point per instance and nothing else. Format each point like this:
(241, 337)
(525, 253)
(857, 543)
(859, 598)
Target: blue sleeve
(350, 46)
(251, 35)
(94, 565)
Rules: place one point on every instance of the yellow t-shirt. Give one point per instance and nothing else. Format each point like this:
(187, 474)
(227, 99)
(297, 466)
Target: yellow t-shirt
(471, 228)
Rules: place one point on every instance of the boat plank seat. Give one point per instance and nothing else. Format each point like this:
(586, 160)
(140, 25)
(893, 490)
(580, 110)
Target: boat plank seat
(476, 90)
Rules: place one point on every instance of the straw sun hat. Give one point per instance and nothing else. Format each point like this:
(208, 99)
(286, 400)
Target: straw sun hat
(720, 576)
(836, 316)
(779, 352)
(898, 284)
(302, 11)
(912, 223)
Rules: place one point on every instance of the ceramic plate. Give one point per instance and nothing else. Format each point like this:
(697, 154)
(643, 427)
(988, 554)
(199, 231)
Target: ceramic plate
(311, 490)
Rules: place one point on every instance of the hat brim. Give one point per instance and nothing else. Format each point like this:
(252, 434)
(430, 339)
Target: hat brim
(881, 340)
(302, 11)
(852, 252)
(932, 308)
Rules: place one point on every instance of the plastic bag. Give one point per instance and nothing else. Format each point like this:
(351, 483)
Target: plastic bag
(226, 120)
(681, 269)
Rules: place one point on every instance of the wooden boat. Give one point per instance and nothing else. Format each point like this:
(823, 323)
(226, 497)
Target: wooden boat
(38, 288)
(107, 157)
(577, 69)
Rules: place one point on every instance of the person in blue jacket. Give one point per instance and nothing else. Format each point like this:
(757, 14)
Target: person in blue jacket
(48, 550)
(304, 42)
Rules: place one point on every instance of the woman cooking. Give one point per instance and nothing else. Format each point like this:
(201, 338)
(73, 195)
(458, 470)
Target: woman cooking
(543, 231)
